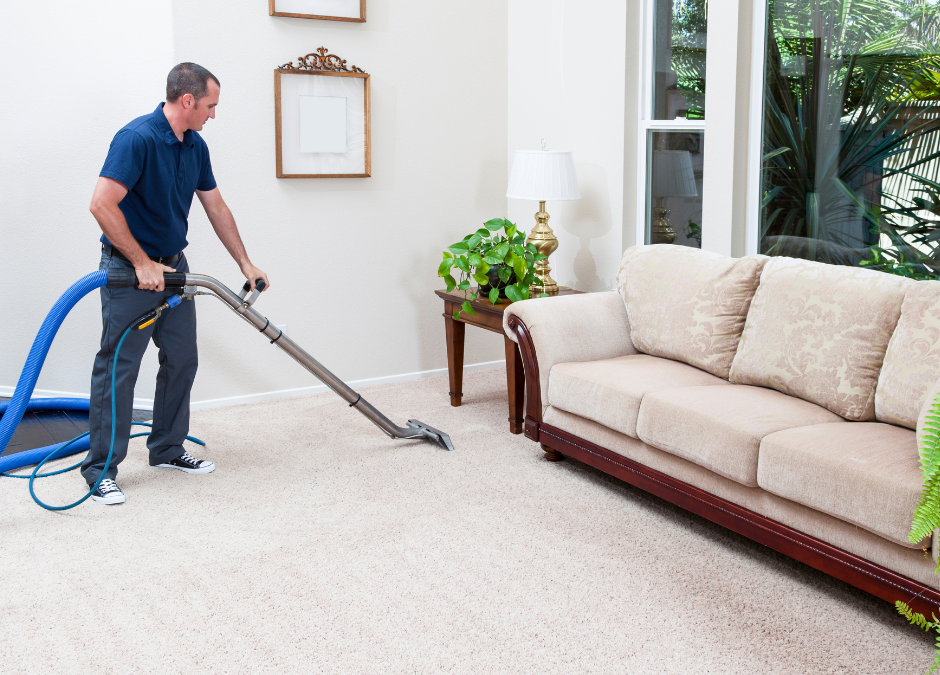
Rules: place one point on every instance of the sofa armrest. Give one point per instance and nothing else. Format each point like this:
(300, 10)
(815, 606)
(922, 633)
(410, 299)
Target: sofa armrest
(583, 327)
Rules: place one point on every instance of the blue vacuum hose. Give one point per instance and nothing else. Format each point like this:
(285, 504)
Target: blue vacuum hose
(37, 354)
(14, 409)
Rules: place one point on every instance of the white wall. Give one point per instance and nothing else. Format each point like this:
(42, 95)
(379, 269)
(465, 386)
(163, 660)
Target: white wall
(567, 85)
(72, 74)
(352, 261)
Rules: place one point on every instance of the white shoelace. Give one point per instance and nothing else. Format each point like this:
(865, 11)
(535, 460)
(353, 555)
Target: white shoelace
(108, 485)
(189, 459)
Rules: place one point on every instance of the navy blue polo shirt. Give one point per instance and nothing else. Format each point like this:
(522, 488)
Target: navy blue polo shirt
(161, 175)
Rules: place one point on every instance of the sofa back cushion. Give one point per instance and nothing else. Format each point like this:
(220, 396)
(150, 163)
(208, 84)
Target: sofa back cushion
(820, 332)
(912, 362)
(686, 304)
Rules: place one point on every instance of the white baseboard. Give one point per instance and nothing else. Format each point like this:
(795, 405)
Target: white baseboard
(147, 403)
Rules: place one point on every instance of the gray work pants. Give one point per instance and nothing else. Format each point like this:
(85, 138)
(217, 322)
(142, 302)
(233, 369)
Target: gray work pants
(174, 334)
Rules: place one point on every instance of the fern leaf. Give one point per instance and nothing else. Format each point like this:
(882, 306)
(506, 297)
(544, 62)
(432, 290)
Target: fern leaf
(926, 517)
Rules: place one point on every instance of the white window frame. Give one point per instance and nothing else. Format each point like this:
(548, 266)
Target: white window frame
(755, 129)
(646, 122)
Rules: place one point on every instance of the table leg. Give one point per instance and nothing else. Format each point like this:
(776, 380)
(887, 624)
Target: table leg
(455, 338)
(515, 381)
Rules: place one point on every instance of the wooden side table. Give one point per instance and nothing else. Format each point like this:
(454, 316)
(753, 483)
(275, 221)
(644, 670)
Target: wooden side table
(489, 317)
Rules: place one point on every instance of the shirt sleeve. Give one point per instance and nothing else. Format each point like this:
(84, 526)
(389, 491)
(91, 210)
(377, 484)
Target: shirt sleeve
(206, 177)
(126, 156)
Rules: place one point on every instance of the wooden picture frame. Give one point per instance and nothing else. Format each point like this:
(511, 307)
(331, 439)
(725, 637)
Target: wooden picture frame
(293, 5)
(321, 75)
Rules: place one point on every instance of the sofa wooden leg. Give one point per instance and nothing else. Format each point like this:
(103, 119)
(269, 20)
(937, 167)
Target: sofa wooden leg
(552, 455)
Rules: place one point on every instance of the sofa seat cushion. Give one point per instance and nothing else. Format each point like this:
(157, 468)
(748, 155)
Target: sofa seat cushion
(912, 362)
(609, 392)
(720, 428)
(820, 332)
(865, 473)
(687, 304)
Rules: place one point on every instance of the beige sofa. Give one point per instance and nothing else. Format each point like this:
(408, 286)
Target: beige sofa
(778, 397)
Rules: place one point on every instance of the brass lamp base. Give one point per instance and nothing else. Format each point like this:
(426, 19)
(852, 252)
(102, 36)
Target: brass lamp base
(661, 231)
(545, 243)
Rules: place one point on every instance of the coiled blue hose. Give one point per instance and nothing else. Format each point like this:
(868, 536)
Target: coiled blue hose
(14, 409)
(37, 353)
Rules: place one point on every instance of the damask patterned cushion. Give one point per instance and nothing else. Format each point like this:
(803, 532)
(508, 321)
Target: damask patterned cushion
(820, 332)
(687, 305)
(912, 363)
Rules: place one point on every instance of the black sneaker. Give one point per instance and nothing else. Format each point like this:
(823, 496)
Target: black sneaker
(189, 464)
(108, 492)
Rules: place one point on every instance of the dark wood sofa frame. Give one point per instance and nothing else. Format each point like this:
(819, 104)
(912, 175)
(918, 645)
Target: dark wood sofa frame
(861, 573)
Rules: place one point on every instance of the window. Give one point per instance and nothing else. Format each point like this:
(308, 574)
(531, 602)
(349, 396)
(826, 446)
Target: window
(673, 122)
(851, 134)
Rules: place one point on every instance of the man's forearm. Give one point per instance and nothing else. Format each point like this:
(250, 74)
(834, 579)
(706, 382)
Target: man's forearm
(112, 223)
(223, 222)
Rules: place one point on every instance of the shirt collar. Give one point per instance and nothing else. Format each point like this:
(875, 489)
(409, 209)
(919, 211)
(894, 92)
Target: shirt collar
(166, 131)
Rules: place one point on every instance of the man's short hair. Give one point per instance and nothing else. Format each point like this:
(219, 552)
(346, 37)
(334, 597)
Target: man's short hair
(188, 78)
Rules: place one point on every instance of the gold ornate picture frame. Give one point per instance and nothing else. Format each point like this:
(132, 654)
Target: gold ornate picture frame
(331, 10)
(322, 118)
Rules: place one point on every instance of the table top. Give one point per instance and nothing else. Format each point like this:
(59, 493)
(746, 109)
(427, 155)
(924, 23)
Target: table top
(483, 304)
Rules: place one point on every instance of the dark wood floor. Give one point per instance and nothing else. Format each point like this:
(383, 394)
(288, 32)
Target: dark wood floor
(46, 427)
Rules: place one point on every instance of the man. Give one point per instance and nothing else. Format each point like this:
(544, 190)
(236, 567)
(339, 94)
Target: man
(141, 201)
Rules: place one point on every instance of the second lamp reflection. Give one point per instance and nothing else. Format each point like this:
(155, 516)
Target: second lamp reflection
(675, 185)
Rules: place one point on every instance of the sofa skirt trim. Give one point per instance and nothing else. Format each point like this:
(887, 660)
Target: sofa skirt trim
(875, 579)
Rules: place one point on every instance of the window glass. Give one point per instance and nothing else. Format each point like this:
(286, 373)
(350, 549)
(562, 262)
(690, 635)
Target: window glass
(674, 187)
(849, 169)
(679, 59)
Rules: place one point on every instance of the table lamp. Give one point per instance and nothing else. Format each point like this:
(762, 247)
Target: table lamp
(672, 177)
(543, 176)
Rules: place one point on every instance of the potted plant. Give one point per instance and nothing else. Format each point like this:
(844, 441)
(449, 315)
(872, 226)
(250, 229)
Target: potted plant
(497, 257)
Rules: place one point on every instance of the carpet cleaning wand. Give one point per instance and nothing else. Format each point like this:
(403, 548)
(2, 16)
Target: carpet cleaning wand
(242, 305)
(12, 412)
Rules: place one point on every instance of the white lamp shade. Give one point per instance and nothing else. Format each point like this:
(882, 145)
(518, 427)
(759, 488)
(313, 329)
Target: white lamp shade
(543, 176)
(672, 174)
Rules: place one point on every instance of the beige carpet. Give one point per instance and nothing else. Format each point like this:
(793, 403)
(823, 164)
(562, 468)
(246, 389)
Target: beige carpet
(321, 546)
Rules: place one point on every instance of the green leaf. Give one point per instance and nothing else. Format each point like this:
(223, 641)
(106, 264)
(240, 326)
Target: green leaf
(467, 308)
(494, 295)
(458, 248)
(474, 241)
(483, 267)
(445, 266)
(519, 239)
(451, 282)
(481, 279)
(502, 250)
(492, 259)
(447, 255)
(475, 259)
(538, 256)
(461, 263)
(513, 293)
(518, 267)
(771, 155)
(483, 232)
(504, 274)
(495, 224)
(457, 315)
(545, 295)
(511, 231)
(464, 285)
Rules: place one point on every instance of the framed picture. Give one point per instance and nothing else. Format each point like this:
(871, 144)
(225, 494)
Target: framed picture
(322, 118)
(332, 10)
